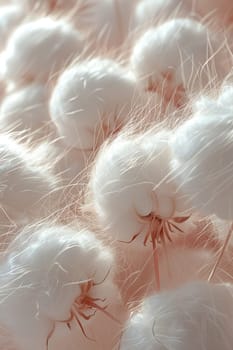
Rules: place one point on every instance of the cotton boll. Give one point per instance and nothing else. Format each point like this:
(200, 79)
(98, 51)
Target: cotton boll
(179, 66)
(40, 49)
(196, 316)
(26, 109)
(105, 332)
(130, 181)
(62, 258)
(26, 181)
(112, 92)
(11, 16)
(150, 11)
(203, 151)
(47, 272)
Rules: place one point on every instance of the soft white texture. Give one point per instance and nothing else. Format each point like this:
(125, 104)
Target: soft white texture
(40, 49)
(11, 16)
(41, 279)
(179, 50)
(91, 100)
(126, 175)
(26, 109)
(195, 316)
(24, 181)
(151, 11)
(203, 158)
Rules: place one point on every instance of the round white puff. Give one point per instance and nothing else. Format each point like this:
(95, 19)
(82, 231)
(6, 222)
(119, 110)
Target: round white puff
(126, 175)
(92, 100)
(42, 275)
(26, 109)
(203, 159)
(11, 16)
(40, 49)
(179, 48)
(150, 11)
(196, 316)
(24, 182)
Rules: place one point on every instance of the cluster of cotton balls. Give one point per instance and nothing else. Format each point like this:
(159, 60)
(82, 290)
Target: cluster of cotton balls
(116, 162)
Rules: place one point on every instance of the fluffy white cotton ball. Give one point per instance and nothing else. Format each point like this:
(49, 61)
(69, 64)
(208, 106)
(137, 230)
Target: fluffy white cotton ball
(195, 316)
(11, 16)
(203, 158)
(150, 11)
(130, 179)
(172, 58)
(49, 270)
(26, 109)
(92, 100)
(26, 181)
(40, 49)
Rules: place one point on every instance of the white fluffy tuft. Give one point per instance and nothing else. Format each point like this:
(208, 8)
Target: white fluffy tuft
(203, 153)
(127, 174)
(92, 100)
(24, 182)
(11, 16)
(40, 49)
(26, 109)
(177, 57)
(41, 279)
(195, 316)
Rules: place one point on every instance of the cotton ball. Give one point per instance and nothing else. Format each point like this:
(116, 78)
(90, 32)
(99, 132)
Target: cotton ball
(26, 109)
(51, 272)
(149, 11)
(92, 100)
(196, 316)
(26, 181)
(11, 16)
(40, 49)
(130, 186)
(203, 150)
(179, 66)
